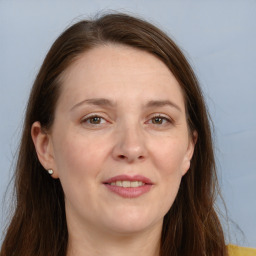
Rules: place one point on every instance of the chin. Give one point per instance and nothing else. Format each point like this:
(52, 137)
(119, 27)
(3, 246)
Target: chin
(133, 223)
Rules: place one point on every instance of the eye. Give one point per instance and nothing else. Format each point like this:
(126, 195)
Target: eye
(94, 120)
(159, 120)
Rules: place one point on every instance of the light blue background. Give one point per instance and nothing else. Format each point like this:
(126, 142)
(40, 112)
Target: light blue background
(218, 37)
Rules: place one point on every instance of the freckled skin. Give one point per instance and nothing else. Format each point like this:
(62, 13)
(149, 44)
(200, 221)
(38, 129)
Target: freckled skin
(125, 140)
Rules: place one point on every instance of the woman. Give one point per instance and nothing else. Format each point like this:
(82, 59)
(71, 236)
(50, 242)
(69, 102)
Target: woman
(116, 156)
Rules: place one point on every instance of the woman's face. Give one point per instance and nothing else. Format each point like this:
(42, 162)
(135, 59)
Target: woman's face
(120, 142)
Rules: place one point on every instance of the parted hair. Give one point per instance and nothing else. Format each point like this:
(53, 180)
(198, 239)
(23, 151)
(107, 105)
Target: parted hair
(38, 226)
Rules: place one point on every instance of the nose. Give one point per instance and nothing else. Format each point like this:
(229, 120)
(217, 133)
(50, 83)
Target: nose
(130, 145)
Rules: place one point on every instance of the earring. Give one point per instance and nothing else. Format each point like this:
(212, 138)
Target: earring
(50, 171)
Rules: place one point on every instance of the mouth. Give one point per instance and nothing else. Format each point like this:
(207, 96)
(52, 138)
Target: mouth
(128, 186)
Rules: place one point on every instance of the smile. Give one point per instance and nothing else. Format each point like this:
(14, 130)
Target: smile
(129, 186)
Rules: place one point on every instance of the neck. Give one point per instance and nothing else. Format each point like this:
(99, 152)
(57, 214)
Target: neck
(94, 243)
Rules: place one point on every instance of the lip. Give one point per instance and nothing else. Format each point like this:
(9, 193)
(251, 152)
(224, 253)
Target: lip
(129, 178)
(130, 192)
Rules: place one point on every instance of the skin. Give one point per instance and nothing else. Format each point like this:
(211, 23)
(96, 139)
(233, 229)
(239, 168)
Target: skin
(124, 137)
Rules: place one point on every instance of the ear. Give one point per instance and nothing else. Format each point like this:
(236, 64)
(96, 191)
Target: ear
(190, 151)
(43, 145)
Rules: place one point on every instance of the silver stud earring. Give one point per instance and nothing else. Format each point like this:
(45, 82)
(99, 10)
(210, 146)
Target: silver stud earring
(50, 171)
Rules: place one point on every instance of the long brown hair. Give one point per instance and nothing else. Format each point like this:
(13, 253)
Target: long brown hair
(38, 227)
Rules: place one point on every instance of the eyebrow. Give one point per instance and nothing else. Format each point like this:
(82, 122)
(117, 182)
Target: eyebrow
(162, 103)
(108, 103)
(96, 102)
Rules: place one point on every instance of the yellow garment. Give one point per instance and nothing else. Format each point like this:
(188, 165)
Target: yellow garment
(234, 250)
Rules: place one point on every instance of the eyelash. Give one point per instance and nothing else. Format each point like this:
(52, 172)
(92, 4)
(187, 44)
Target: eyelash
(163, 119)
(87, 119)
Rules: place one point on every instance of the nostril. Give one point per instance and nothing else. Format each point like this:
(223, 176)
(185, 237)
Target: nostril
(123, 157)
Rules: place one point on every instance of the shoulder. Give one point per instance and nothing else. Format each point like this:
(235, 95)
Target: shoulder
(234, 250)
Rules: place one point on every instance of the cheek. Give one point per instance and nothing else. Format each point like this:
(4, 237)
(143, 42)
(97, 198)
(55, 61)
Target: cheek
(169, 162)
(78, 161)
(170, 156)
(76, 156)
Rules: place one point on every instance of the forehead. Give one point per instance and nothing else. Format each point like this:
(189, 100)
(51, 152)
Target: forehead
(119, 71)
(111, 57)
